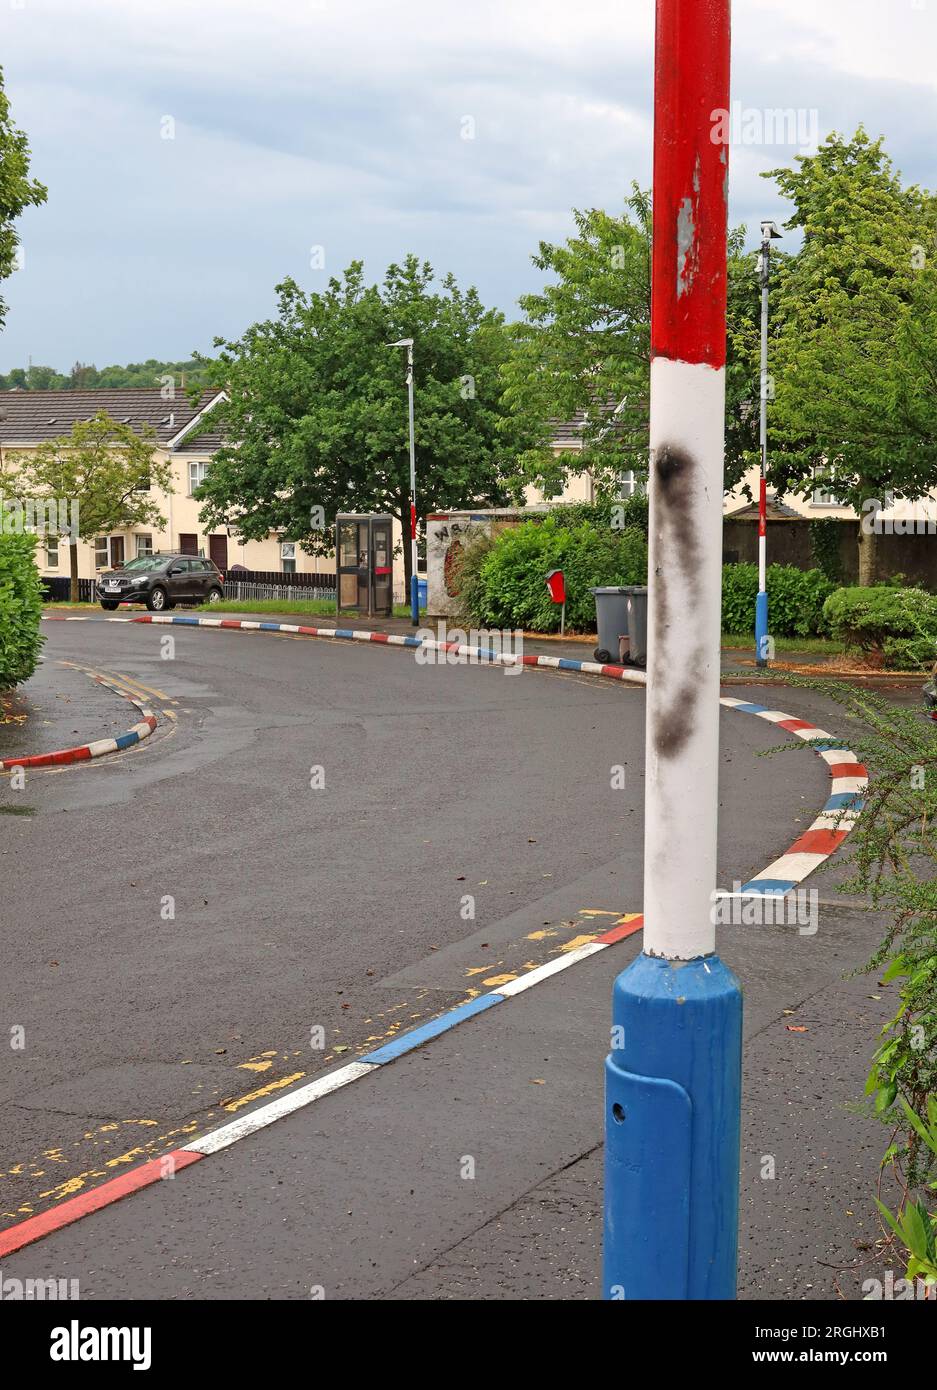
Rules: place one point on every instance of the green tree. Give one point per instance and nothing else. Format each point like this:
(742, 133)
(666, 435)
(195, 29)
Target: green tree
(17, 190)
(854, 360)
(585, 346)
(87, 377)
(316, 417)
(104, 466)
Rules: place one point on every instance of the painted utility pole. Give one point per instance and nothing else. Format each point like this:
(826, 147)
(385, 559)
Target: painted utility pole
(768, 232)
(414, 577)
(673, 1075)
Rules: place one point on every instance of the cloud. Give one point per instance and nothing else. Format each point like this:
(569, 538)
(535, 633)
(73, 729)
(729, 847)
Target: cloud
(344, 124)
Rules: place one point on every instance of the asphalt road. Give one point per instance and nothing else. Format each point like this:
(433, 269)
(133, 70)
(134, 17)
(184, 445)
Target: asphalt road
(197, 923)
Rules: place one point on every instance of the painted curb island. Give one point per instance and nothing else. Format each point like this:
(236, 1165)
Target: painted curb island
(82, 752)
(822, 838)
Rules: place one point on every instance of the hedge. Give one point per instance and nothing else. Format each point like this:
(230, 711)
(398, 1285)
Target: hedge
(504, 582)
(20, 609)
(795, 599)
(898, 624)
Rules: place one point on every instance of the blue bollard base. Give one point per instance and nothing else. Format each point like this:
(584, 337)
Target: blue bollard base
(761, 628)
(672, 1123)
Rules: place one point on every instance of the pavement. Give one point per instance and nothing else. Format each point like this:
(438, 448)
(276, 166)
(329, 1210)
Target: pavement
(60, 707)
(210, 914)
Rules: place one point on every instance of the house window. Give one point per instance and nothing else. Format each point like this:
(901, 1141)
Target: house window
(822, 496)
(101, 557)
(288, 556)
(198, 470)
(144, 545)
(629, 483)
(52, 552)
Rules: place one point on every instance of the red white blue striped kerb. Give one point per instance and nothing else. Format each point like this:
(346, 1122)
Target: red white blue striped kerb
(101, 746)
(816, 844)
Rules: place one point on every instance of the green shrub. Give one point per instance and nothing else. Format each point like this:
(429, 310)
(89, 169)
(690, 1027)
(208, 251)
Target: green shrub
(619, 515)
(795, 599)
(508, 587)
(824, 538)
(898, 624)
(891, 861)
(20, 610)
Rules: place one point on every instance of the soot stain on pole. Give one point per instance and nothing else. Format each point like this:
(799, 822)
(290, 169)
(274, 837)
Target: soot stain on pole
(673, 468)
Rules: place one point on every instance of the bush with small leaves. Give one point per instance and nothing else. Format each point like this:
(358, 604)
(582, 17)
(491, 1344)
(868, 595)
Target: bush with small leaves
(20, 609)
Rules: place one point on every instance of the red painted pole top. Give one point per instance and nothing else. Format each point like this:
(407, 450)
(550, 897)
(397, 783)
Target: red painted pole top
(691, 176)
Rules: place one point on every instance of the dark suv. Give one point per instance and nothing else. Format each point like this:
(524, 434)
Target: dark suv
(161, 581)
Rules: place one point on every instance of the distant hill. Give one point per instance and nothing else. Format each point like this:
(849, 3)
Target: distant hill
(87, 377)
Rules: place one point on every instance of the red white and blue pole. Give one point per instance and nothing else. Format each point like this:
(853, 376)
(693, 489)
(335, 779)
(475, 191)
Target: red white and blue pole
(414, 576)
(768, 232)
(673, 1074)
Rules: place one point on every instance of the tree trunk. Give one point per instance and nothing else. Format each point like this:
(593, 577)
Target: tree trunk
(73, 571)
(868, 554)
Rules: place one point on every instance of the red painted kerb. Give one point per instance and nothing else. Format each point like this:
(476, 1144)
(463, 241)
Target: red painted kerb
(691, 175)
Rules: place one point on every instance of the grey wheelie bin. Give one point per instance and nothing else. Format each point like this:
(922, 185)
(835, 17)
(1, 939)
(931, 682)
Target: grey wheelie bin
(611, 611)
(621, 612)
(637, 625)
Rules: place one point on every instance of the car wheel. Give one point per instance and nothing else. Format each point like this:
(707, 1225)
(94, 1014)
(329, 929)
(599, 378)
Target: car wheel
(215, 595)
(109, 603)
(156, 600)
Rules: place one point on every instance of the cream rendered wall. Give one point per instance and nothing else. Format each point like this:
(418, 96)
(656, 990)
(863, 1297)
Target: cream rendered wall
(181, 511)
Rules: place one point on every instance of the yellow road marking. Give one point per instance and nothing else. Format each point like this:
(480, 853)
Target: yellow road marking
(233, 1105)
(576, 942)
(147, 689)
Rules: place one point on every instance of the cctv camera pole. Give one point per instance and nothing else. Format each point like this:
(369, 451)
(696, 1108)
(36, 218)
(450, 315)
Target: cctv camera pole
(414, 579)
(672, 1101)
(768, 231)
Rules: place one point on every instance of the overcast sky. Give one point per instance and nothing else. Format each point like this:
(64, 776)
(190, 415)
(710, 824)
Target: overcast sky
(342, 124)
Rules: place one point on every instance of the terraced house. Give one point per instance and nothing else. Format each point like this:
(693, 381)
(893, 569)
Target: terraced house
(184, 436)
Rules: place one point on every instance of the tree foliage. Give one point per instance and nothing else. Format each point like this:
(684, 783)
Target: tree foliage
(87, 377)
(584, 345)
(20, 609)
(17, 190)
(854, 360)
(316, 420)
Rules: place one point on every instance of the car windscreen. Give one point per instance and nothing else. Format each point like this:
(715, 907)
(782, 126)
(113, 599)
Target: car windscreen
(145, 563)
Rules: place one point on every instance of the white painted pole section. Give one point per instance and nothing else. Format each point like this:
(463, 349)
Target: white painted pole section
(763, 420)
(685, 583)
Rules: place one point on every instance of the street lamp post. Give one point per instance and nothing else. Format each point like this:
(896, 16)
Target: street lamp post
(673, 1075)
(414, 580)
(769, 233)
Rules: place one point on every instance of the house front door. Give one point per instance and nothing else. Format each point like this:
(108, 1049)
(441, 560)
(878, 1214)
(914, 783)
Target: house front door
(218, 551)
